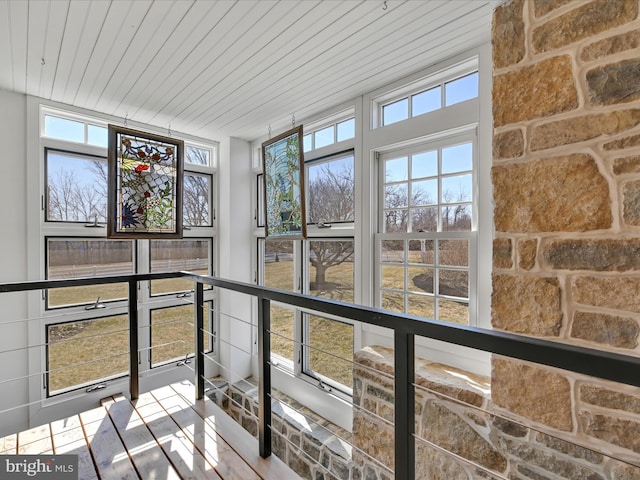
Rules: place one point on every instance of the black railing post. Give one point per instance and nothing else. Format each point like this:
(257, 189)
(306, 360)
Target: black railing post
(134, 386)
(264, 384)
(405, 453)
(199, 339)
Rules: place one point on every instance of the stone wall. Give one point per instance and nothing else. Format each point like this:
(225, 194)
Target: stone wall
(461, 436)
(566, 177)
(326, 447)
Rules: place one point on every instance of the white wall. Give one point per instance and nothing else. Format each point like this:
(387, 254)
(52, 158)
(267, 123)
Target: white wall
(234, 234)
(13, 261)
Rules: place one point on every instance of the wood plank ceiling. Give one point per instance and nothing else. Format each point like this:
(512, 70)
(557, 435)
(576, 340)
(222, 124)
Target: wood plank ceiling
(214, 68)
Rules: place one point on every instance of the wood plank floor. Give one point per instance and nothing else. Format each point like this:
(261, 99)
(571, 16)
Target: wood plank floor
(163, 435)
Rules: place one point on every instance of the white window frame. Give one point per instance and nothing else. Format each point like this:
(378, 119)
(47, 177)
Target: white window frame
(42, 406)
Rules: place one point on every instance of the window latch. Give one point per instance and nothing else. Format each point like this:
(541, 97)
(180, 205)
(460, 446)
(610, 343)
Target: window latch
(95, 223)
(183, 295)
(95, 305)
(186, 361)
(323, 225)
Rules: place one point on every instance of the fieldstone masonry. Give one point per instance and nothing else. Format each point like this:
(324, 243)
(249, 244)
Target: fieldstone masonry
(567, 198)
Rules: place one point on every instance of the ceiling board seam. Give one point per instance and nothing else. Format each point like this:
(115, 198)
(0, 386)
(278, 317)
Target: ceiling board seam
(93, 49)
(210, 63)
(64, 29)
(191, 51)
(265, 69)
(115, 69)
(246, 60)
(44, 46)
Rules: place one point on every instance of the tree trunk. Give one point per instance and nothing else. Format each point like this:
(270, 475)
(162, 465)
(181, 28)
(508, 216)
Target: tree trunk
(321, 270)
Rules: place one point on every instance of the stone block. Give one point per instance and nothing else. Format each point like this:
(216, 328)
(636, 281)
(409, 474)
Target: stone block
(507, 33)
(467, 387)
(379, 445)
(502, 253)
(568, 448)
(543, 7)
(617, 431)
(434, 465)
(528, 305)
(600, 255)
(614, 83)
(510, 427)
(529, 474)
(558, 194)
(580, 129)
(554, 464)
(586, 21)
(622, 143)
(612, 330)
(527, 250)
(508, 145)
(619, 293)
(631, 203)
(536, 91)
(535, 393)
(626, 165)
(449, 430)
(607, 398)
(624, 471)
(610, 46)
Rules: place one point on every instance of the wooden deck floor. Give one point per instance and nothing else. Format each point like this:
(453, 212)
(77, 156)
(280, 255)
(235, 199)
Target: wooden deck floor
(163, 435)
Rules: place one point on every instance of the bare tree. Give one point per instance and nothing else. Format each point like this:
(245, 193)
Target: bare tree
(331, 199)
(196, 200)
(63, 194)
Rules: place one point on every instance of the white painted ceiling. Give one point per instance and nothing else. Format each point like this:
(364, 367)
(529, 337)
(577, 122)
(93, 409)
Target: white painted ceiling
(212, 68)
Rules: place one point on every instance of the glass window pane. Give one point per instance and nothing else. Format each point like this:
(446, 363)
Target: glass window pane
(421, 305)
(457, 189)
(421, 251)
(331, 269)
(336, 339)
(458, 158)
(307, 141)
(456, 218)
(451, 311)
(195, 198)
(453, 252)
(346, 130)
(396, 170)
(395, 112)
(453, 283)
(172, 333)
(393, 301)
(396, 220)
(282, 332)
(64, 129)
(393, 277)
(392, 251)
(424, 192)
(331, 191)
(278, 264)
(87, 351)
(424, 219)
(420, 279)
(461, 89)
(198, 156)
(76, 187)
(324, 137)
(424, 164)
(396, 195)
(426, 101)
(175, 256)
(87, 258)
(98, 136)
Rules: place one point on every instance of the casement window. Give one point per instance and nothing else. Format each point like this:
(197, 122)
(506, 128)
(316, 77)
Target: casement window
(309, 346)
(86, 328)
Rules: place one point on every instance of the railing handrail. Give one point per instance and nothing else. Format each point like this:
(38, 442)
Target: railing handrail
(586, 361)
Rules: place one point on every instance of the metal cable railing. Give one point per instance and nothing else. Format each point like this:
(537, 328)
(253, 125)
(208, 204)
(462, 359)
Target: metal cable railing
(596, 363)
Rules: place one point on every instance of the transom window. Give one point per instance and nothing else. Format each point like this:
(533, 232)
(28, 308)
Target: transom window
(329, 134)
